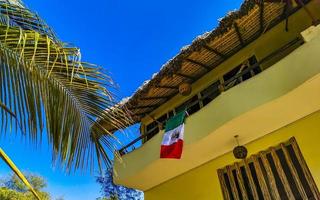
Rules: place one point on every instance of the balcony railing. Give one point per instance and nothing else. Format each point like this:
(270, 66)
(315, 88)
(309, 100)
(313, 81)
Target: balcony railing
(231, 82)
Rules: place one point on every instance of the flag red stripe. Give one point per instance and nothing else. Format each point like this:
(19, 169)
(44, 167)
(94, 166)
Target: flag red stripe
(172, 151)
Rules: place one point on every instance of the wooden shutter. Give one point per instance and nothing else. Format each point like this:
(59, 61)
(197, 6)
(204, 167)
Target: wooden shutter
(280, 172)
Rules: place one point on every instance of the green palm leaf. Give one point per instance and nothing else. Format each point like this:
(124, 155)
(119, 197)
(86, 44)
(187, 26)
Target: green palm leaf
(45, 83)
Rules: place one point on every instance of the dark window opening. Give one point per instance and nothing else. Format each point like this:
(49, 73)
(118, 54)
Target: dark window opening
(191, 106)
(253, 61)
(246, 183)
(280, 186)
(226, 179)
(152, 133)
(300, 172)
(242, 72)
(255, 180)
(151, 130)
(264, 173)
(170, 114)
(277, 173)
(210, 93)
(234, 173)
(288, 174)
(163, 119)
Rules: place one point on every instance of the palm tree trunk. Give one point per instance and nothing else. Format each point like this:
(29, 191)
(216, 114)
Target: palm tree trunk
(15, 169)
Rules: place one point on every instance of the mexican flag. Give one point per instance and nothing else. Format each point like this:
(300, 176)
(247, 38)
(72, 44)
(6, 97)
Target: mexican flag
(172, 142)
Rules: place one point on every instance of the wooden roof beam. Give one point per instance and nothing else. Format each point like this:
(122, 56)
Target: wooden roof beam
(261, 19)
(154, 97)
(166, 87)
(148, 106)
(214, 51)
(236, 28)
(198, 63)
(185, 76)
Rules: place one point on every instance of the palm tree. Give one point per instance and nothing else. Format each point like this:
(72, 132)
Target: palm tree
(46, 88)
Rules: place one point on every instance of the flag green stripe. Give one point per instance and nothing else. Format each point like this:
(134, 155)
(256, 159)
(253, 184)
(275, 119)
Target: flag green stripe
(175, 121)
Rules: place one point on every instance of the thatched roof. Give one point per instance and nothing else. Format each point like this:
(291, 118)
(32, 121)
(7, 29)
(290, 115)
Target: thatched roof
(206, 52)
(14, 2)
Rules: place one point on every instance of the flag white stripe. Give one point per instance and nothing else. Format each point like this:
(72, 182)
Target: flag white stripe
(173, 135)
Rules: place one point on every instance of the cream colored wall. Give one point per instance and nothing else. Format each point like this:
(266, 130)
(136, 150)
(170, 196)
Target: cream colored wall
(202, 183)
(263, 46)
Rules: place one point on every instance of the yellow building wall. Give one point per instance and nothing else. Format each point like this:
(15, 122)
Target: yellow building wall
(202, 183)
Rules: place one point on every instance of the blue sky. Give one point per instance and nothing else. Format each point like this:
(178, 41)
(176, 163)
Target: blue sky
(131, 39)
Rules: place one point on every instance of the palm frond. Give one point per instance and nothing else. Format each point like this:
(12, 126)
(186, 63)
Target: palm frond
(45, 83)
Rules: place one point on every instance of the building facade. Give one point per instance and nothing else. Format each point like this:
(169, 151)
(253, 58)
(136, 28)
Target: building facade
(256, 76)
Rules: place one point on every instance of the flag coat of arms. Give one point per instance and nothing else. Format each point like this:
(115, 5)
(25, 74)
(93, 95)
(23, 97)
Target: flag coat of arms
(172, 142)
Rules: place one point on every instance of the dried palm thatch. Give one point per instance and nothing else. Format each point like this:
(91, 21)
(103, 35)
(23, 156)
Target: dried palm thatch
(234, 32)
(47, 88)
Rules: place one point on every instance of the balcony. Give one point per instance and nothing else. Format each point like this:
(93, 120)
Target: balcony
(248, 109)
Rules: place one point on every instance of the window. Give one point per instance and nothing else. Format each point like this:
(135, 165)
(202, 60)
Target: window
(241, 73)
(203, 98)
(170, 114)
(151, 130)
(154, 127)
(210, 93)
(163, 119)
(192, 105)
(277, 173)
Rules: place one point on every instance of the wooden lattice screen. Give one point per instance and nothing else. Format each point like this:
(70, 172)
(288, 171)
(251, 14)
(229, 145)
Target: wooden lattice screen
(277, 173)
